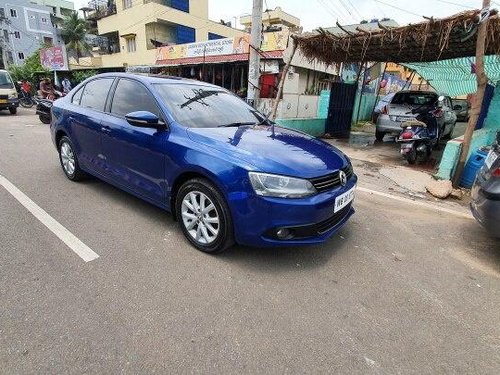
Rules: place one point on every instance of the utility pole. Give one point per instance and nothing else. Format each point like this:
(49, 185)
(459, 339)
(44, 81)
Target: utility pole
(482, 81)
(253, 89)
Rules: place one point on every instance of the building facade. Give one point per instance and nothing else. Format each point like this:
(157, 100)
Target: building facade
(24, 27)
(132, 30)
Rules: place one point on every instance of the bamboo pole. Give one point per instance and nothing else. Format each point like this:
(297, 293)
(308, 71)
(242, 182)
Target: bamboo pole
(482, 81)
(282, 81)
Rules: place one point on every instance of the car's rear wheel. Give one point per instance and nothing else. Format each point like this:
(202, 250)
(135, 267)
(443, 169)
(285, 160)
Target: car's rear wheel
(69, 161)
(379, 136)
(204, 216)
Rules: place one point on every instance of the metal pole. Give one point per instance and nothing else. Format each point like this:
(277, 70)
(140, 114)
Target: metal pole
(482, 81)
(378, 89)
(362, 72)
(253, 90)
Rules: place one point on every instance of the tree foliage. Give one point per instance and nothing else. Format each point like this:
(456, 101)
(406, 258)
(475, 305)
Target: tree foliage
(82, 75)
(73, 32)
(30, 70)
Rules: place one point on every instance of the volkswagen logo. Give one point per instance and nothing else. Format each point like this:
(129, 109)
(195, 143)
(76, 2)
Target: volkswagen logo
(343, 178)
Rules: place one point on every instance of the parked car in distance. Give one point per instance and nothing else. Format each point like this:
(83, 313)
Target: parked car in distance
(399, 110)
(485, 192)
(380, 105)
(461, 108)
(197, 150)
(8, 93)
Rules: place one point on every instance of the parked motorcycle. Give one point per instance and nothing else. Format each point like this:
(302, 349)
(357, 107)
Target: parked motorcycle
(420, 136)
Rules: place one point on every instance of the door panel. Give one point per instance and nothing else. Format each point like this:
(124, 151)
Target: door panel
(135, 156)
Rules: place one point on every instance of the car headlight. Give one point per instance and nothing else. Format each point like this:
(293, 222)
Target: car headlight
(271, 185)
(13, 96)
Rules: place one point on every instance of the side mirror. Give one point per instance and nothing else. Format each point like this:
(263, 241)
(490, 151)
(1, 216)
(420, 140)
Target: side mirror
(144, 119)
(440, 101)
(457, 107)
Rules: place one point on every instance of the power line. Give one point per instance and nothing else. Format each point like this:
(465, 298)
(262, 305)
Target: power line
(347, 9)
(333, 12)
(457, 4)
(355, 9)
(398, 8)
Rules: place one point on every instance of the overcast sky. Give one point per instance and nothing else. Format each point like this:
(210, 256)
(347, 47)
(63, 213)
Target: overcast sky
(316, 13)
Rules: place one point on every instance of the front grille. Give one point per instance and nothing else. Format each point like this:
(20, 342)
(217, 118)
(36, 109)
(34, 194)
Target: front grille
(329, 223)
(330, 181)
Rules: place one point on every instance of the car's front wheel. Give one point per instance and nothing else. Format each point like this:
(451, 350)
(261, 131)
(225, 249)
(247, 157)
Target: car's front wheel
(69, 161)
(379, 136)
(204, 216)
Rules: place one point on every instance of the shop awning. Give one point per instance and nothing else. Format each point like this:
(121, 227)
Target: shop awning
(217, 59)
(456, 76)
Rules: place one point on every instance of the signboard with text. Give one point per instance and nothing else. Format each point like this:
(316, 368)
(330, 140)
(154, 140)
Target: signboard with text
(54, 58)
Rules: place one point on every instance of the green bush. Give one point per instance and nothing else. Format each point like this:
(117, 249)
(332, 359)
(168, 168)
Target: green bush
(82, 75)
(31, 70)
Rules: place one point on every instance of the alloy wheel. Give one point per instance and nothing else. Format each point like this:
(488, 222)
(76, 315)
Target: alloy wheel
(200, 217)
(68, 158)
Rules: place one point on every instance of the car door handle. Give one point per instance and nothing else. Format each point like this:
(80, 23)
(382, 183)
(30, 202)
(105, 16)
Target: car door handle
(106, 129)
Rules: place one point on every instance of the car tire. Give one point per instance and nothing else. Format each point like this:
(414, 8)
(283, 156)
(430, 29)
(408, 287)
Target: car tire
(69, 161)
(13, 110)
(210, 231)
(379, 136)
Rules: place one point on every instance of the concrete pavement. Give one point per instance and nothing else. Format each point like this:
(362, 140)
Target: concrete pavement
(401, 289)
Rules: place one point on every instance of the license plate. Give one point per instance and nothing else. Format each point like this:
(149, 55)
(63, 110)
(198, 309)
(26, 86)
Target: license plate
(3, 100)
(490, 159)
(403, 118)
(344, 199)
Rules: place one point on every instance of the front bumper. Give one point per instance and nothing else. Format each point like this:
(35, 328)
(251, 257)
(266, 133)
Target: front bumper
(311, 219)
(486, 211)
(9, 103)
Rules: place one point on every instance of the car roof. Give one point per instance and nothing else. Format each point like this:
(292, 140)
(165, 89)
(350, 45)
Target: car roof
(152, 79)
(416, 92)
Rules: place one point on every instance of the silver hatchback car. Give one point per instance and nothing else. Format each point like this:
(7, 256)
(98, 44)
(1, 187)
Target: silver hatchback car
(399, 110)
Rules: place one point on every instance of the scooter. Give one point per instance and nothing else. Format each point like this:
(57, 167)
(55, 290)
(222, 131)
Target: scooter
(420, 136)
(44, 106)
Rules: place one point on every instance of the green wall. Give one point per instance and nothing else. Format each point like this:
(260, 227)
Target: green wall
(311, 126)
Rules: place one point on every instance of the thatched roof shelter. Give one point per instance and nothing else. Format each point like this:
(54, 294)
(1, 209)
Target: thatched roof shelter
(434, 39)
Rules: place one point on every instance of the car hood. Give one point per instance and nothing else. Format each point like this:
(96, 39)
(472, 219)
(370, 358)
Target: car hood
(283, 151)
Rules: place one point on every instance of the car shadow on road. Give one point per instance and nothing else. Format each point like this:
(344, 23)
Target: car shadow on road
(288, 259)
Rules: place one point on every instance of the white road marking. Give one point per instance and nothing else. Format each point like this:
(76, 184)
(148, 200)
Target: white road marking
(417, 203)
(82, 250)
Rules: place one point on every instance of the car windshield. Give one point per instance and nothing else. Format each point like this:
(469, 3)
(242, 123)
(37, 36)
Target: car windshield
(6, 81)
(414, 98)
(199, 106)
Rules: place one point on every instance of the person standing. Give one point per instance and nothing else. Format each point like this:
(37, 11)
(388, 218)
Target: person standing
(66, 84)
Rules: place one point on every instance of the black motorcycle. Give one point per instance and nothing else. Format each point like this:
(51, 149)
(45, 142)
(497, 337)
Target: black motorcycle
(43, 108)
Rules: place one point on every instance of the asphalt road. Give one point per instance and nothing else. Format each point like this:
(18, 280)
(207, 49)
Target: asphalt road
(401, 289)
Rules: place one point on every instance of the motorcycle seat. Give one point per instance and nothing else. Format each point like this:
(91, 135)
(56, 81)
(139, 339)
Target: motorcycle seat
(405, 124)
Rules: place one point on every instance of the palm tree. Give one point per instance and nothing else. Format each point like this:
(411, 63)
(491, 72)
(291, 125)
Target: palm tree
(73, 32)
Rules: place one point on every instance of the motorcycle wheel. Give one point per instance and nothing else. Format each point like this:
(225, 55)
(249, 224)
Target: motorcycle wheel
(26, 102)
(44, 119)
(411, 157)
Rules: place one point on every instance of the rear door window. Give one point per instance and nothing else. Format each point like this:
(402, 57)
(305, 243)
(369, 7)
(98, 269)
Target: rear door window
(95, 93)
(411, 98)
(131, 96)
(77, 96)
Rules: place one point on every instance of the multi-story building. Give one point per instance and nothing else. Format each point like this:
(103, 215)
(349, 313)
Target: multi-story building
(274, 19)
(24, 27)
(133, 29)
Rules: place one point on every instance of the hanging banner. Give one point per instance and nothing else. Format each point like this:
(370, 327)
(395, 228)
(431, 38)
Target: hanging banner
(54, 58)
(272, 41)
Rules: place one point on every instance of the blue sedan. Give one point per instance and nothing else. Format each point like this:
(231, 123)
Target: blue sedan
(226, 173)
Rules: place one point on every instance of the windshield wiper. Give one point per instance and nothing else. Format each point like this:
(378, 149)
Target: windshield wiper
(236, 124)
